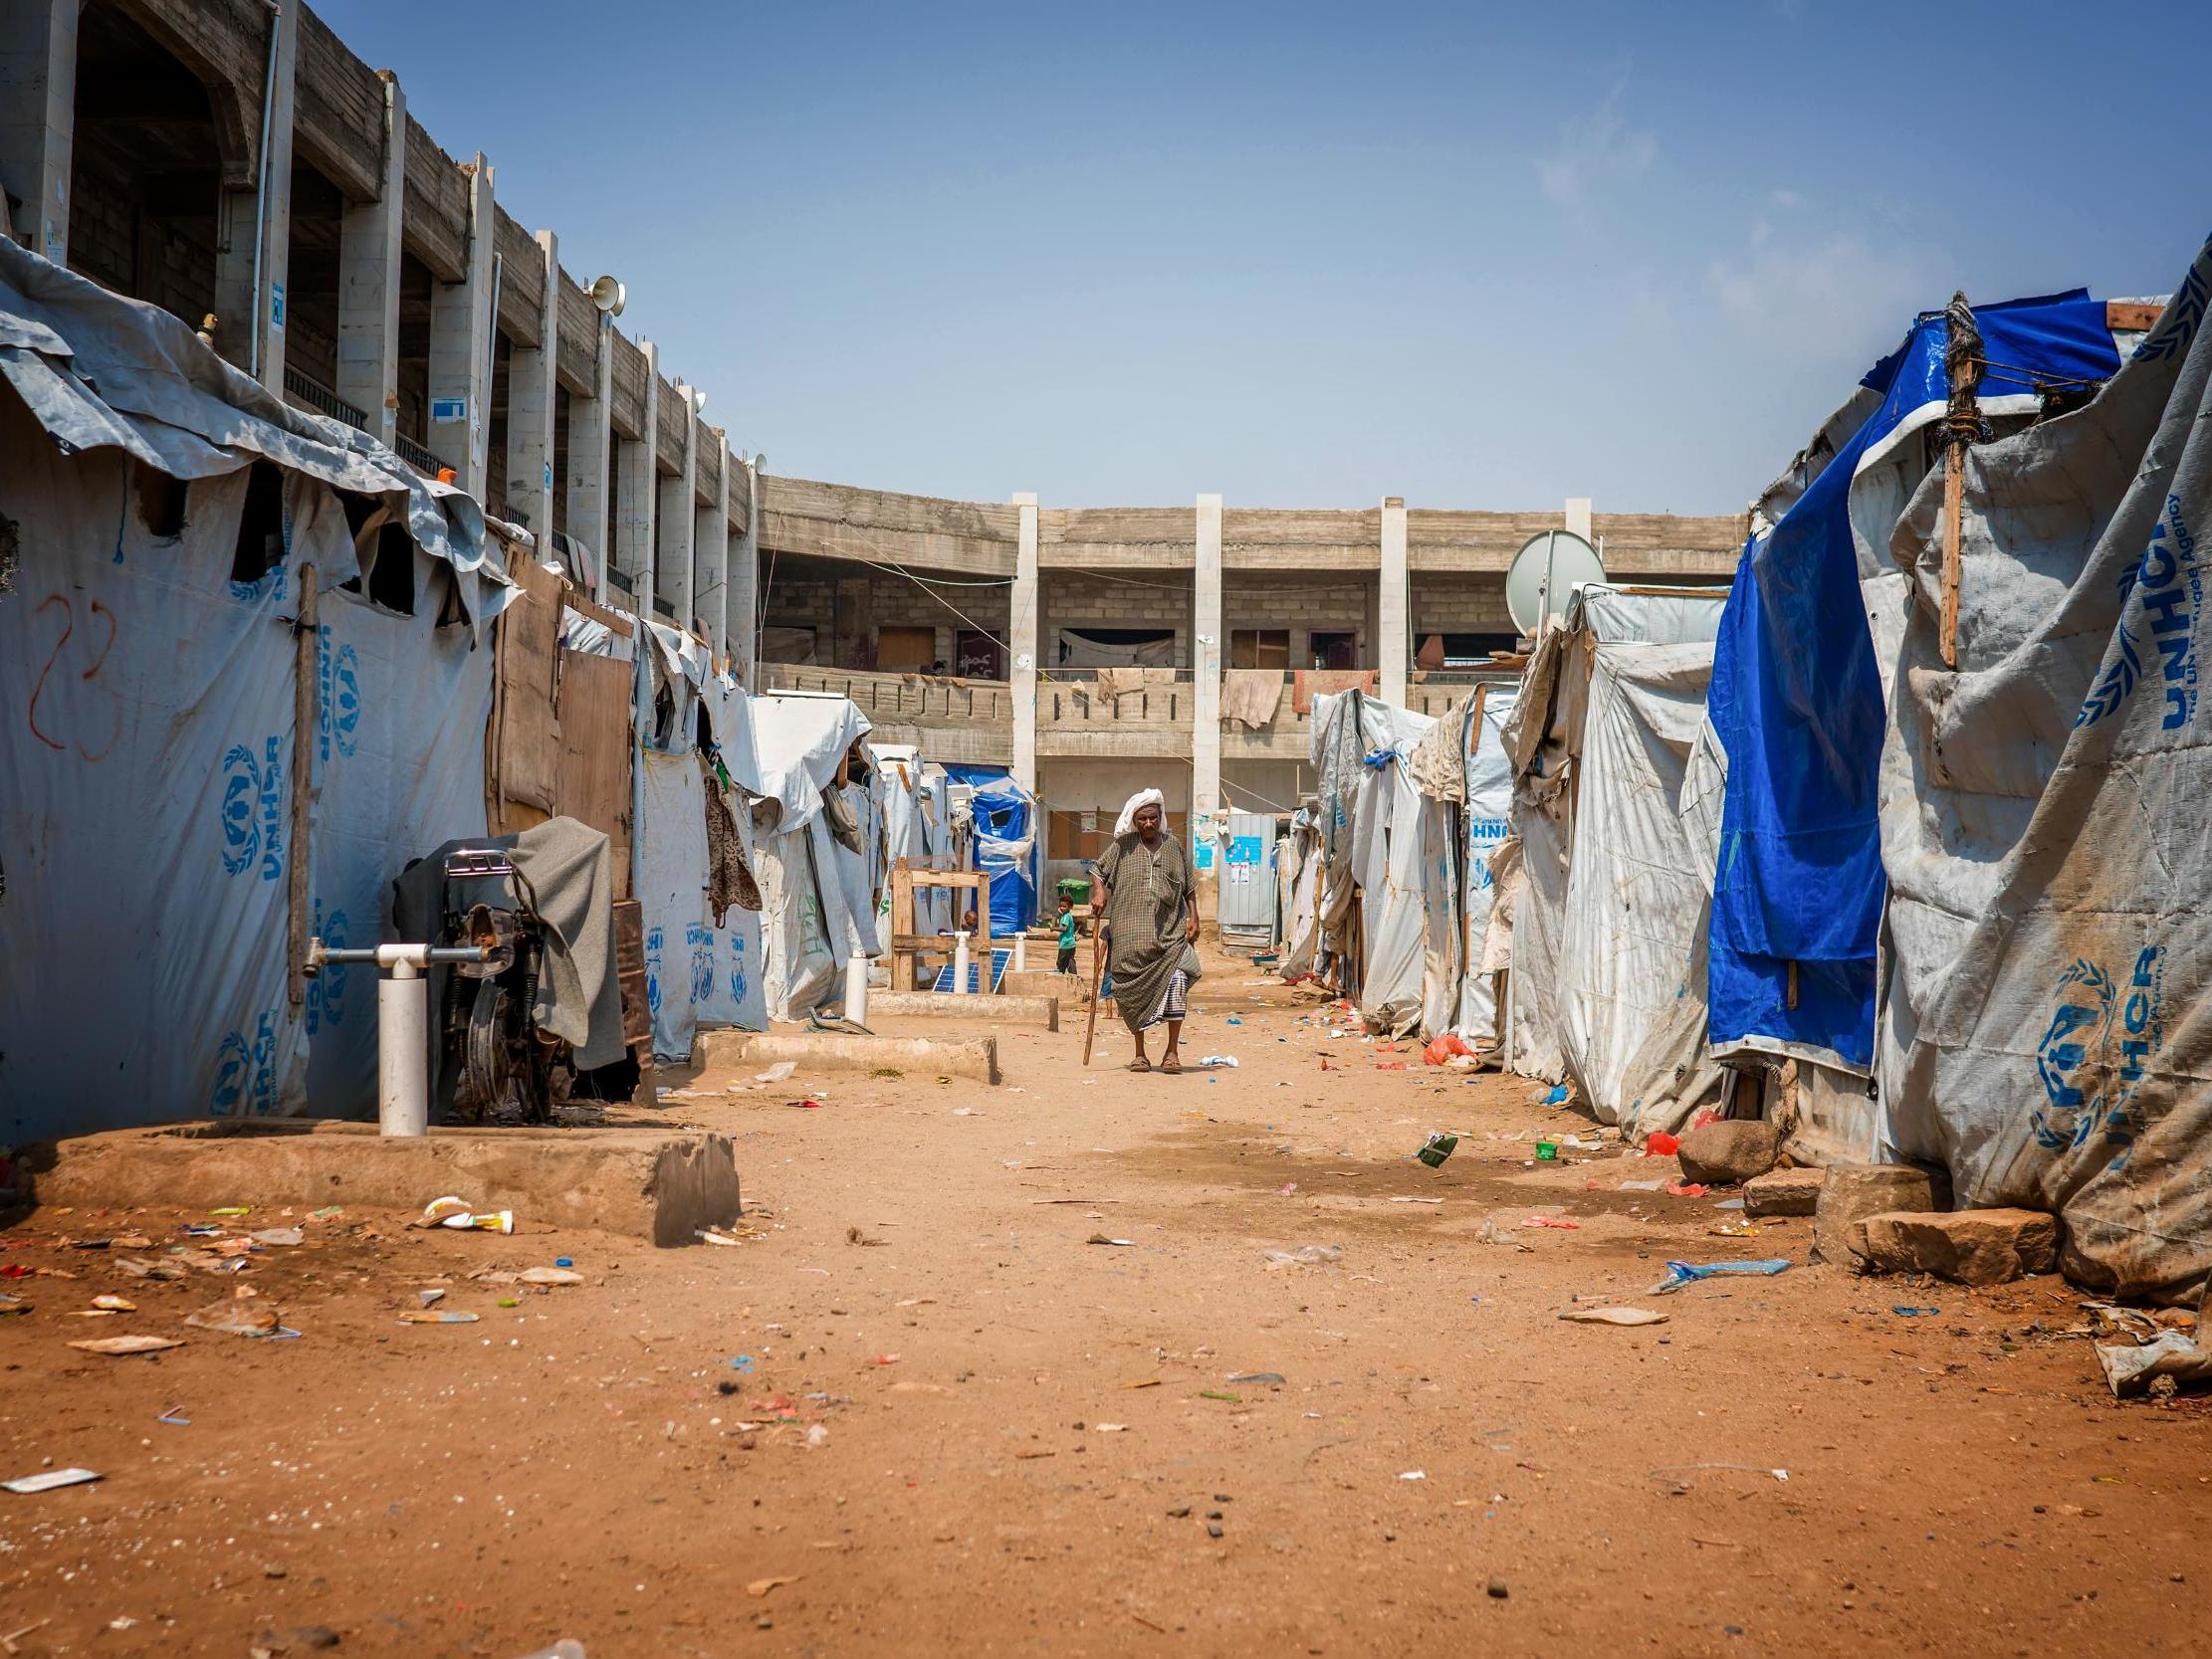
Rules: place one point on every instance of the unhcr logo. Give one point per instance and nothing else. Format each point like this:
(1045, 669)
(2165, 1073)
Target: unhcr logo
(2094, 1053)
(2171, 588)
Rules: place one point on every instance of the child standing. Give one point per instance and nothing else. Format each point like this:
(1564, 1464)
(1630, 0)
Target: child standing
(1068, 935)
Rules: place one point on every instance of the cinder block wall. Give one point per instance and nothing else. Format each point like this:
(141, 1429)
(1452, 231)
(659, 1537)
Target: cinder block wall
(1469, 604)
(1300, 609)
(1079, 599)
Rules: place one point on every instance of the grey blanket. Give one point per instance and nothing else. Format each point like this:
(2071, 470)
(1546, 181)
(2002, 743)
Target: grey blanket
(569, 875)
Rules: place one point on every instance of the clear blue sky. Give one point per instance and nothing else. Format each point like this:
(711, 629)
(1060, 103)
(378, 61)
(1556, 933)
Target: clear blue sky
(1310, 256)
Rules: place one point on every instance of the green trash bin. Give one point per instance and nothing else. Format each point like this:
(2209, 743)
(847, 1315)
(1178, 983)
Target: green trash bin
(1074, 889)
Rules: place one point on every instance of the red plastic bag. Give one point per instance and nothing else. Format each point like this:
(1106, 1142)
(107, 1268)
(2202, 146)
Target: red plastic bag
(1444, 1048)
(1662, 1145)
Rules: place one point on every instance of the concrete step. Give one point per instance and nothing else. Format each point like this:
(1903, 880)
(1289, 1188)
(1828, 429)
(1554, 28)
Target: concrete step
(644, 1183)
(1001, 1010)
(975, 1057)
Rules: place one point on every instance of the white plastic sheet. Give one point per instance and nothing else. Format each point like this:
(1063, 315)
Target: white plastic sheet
(1486, 821)
(818, 899)
(146, 818)
(1636, 898)
(400, 763)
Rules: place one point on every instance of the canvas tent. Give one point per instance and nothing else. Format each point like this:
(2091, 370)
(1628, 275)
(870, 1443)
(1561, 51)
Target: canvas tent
(1463, 773)
(2044, 829)
(1799, 683)
(165, 512)
(918, 827)
(1611, 838)
(1378, 843)
(697, 776)
(819, 845)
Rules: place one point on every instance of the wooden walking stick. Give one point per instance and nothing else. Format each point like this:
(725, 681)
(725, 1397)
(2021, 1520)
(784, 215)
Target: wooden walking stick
(1098, 978)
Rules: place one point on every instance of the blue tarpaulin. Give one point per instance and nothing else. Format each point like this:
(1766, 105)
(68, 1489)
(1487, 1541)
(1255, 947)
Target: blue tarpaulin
(1796, 702)
(1006, 844)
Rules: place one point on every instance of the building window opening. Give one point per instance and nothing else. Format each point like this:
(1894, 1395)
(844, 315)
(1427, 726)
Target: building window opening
(1333, 650)
(1260, 647)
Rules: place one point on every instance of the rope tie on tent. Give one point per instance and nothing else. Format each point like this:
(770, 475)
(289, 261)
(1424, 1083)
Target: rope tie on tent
(1963, 365)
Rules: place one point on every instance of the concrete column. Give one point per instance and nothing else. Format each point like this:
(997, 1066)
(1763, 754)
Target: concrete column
(38, 119)
(251, 319)
(633, 535)
(742, 605)
(1390, 595)
(1021, 642)
(529, 408)
(678, 498)
(461, 348)
(1578, 518)
(1206, 667)
(587, 462)
(369, 245)
(710, 555)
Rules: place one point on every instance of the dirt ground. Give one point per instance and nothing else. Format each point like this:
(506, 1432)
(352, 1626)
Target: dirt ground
(920, 1409)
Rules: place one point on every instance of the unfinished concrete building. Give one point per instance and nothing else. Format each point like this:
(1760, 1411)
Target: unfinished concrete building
(227, 159)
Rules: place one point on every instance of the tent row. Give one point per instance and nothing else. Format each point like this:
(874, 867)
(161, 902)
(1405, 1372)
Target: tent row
(259, 664)
(1897, 838)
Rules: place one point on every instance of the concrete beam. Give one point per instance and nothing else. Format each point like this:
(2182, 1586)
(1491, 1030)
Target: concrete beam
(1392, 594)
(974, 1057)
(1023, 643)
(643, 1184)
(589, 436)
(38, 119)
(1205, 666)
(710, 557)
(250, 317)
(676, 509)
(531, 373)
(742, 607)
(369, 245)
(640, 493)
(461, 348)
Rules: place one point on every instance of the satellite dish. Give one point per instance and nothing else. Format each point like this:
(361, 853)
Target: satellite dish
(1547, 568)
(608, 295)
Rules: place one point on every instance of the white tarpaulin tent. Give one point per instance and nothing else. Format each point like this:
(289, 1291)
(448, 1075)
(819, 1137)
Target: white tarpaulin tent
(1376, 840)
(817, 890)
(917, 825)
(2045, 829)
(149, 658)
(1598, 742)
(697, 972)
(1467, 780)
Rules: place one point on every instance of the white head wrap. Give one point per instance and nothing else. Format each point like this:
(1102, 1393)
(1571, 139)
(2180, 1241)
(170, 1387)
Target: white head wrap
(1126, 824)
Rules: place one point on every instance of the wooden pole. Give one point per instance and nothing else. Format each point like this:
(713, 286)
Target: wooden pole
(1962, 366)
(306, 695)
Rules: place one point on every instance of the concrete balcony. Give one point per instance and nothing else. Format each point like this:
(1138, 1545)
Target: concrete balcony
(1077, 719)
(957, 720)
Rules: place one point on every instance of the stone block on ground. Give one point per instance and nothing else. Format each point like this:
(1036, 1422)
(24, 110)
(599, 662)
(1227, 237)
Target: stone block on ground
(1731, 1152)
(1782, 1192)
(1850, 1192)
(1969, 1247)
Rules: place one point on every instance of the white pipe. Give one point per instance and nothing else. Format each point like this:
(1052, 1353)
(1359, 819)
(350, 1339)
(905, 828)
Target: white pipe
(402, 1043)
(1022, 953)
(959, 964)
(856, 989)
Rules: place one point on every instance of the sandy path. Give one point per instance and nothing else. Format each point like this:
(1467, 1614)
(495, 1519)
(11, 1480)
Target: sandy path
(1013, 1418)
